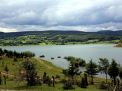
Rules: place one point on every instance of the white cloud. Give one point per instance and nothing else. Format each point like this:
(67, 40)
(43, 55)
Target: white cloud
(7, 30)
(65, 13)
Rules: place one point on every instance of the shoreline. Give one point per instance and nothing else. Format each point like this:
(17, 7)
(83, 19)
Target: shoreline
(65, 44)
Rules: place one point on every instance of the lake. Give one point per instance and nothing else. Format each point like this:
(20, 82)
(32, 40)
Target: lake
(85, 51)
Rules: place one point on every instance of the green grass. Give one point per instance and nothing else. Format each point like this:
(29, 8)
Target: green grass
(41, 66)
(45, 66)
(58, 87)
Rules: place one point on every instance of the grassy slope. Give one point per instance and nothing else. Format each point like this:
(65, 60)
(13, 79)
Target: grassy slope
(41, 67)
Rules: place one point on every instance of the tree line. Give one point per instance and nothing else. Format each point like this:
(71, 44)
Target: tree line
(15, 54)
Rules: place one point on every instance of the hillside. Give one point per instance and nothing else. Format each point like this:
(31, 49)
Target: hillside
(14, 71)
(15, 83)
(58, 37)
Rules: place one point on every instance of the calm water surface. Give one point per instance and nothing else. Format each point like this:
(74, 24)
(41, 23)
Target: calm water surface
(87, 52)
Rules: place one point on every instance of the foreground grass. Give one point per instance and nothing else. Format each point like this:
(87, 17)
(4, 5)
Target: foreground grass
(58, 87)
(41, 67)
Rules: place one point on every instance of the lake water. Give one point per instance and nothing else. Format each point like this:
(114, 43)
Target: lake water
(87, 52)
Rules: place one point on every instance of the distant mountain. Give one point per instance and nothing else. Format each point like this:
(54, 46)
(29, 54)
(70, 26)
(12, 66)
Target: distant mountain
(56, 32)
(109, 32)
(105, 32)
(58, 37)
(24, 33)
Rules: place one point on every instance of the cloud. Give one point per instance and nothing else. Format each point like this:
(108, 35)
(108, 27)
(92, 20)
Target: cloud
(85, 15)
(7, 30)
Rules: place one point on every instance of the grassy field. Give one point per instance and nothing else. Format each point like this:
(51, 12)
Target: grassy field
(58, 87)
(41, 66)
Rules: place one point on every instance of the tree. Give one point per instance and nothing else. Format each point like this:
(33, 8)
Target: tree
(6, 69)
(84, 81)
(30, 72)
(1, 52)
(83, 84)
(91, 70)
(103, 66)
(77, 61)
(70, 58)
(73, 67)
(113, 70)
(44, 77)
(53, 81)
(82, 63)
(73, 70)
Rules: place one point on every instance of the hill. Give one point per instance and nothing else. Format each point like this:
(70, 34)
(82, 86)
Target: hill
(58, 37)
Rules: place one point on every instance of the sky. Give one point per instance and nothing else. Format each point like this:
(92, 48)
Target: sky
(40, 15)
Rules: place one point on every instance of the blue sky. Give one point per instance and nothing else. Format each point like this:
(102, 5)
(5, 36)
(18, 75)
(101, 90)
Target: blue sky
(38, 15)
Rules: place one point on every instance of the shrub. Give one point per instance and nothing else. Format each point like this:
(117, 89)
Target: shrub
(63, 80)
(15, 59)
(103, 85)
(28, 54)
(65, 72)
(68, 85)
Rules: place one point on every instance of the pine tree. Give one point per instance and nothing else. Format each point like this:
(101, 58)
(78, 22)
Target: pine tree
(30, 72)
(91, 70)
(113, 71)
(103, 66)
(73, 70)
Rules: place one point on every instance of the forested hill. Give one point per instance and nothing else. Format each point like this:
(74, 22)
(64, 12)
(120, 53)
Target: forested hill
(24, 33)
(58, 37)
(50, 32)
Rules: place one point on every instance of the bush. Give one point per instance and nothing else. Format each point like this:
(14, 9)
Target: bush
(65, 72)
(68, 85)
(28, 54)
(103, 85)
(15, 59)
(0, 57)
(63, 80)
